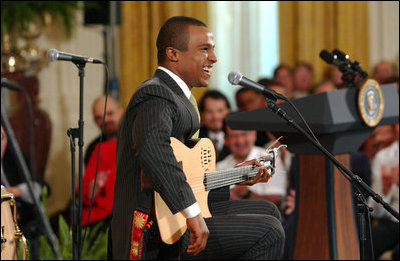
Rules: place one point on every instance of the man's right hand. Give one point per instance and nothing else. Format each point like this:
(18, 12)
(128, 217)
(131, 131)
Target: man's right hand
(198, 234)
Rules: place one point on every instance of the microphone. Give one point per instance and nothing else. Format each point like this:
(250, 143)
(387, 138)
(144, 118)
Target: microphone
(9, 85)
(54, 55)
(343, 65)
(236, 78)
(354, 65)
(341, 55)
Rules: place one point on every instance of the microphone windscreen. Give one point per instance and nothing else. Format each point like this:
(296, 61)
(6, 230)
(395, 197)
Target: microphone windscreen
(234, 77)
(326, 56)
(52, 54)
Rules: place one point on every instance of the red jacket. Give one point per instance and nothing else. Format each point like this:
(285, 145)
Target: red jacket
(104, 195)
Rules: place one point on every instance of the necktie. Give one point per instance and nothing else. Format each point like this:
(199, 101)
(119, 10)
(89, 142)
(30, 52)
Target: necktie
(194, 103)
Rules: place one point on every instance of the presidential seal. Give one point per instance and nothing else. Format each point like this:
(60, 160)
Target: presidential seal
(371, 103)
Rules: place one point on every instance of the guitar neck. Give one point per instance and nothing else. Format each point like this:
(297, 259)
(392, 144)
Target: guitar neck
(226, 177)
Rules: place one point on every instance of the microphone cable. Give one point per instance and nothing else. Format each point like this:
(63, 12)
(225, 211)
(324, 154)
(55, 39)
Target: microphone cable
(98, 156)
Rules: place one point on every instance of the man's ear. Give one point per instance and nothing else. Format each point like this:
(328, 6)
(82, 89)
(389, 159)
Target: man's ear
(172, 54)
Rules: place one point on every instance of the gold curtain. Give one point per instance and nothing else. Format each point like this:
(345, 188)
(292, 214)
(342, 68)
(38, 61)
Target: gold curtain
(307, 27)
(141, 21)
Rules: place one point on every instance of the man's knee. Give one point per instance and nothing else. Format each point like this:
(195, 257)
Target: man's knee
(271, 209)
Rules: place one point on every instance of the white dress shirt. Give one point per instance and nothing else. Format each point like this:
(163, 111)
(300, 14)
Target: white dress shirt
(388, 157)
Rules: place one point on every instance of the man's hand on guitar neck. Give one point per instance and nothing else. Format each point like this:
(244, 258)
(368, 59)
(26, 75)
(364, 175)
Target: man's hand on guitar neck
(198, 234)
(262, 175)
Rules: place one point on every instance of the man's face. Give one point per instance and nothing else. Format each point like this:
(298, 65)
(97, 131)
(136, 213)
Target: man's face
(303, 79)
(195, 64)
(383, 71)
(113, 116)
(279, 89)
(214, 113)
(240, 142)
(285, 77)
(249, 100)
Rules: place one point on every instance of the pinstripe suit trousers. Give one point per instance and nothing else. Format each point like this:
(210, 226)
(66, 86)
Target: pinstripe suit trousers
(241, 229)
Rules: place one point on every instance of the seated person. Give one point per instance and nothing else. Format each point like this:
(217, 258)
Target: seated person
(241, 143)
(213, 108)
(103, 193)
(14, 182)
(112, 121)
(248, 99)
(385, 182)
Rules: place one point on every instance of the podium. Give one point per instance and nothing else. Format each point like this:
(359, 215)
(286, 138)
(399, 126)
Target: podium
(326, 225)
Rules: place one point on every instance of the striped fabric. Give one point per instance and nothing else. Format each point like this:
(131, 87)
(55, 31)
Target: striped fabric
(157, 111)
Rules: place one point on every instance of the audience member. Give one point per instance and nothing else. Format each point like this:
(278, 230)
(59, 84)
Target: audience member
(241, 143)
(303, 80)
(383, 71)
(213, 108)
(381, 137)
(324, 86)
(275, 86)
(335, 75)
(283, 74)
(103, 193)
(248, 99)
(385, 182)
(14, 182)
(113, 116)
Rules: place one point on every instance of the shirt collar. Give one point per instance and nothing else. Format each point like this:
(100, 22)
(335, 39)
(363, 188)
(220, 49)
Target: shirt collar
(178, 80)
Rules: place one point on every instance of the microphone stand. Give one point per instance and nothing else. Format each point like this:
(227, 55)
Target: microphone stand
(362, 207)
(25, 172)
(77, 133)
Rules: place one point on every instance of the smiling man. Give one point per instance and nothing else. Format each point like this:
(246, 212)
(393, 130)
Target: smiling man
(163, 107)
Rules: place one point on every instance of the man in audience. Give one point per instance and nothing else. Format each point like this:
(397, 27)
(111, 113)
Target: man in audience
(283, 74)
(385, 182)
(213, 108)
(102, 193)
(383, 71)
(113, 116)
(241, 143)
(303, 80)
(335, 75)
(324, 86)
(248, 99)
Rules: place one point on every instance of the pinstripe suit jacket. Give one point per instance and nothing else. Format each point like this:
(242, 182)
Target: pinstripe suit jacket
(157, 111)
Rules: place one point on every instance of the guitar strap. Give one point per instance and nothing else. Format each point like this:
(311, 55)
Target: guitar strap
(141, 222)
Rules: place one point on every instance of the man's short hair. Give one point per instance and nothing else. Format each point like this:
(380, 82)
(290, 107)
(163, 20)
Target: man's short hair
(246, 89)
(305, 65)
(282, 66)
(214, 94)
(173, 33)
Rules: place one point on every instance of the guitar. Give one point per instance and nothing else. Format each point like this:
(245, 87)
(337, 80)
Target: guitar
(198, 164)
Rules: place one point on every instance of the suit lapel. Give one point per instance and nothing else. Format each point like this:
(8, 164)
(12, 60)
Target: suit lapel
(178, 91)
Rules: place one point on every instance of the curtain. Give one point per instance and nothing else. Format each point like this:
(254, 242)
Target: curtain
(307, 27)
(141, 21)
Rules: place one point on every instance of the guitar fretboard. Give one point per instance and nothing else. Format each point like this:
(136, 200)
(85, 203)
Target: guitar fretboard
(226, 177)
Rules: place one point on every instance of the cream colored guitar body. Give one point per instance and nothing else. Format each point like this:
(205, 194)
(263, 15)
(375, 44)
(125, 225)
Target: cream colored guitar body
(195, 162)
(198, 164)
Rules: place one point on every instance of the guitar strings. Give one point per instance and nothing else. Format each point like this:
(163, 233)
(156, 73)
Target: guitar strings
(222, 182)
(213, 178)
